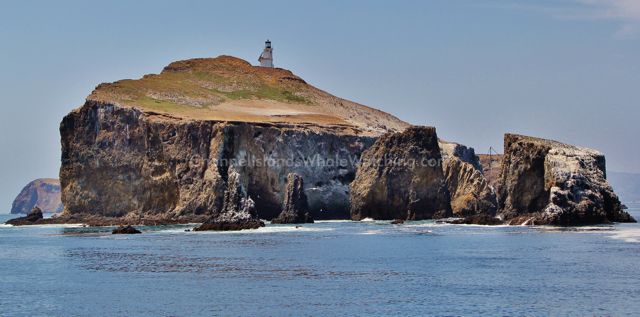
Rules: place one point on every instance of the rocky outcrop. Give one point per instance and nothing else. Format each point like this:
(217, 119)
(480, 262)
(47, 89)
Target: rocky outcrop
(125, 230)
(295, 208)
(238, 210)
(479, 219)
(43, 193)
(548, 182)
(31, 218)
(401, 177)
(470, 192)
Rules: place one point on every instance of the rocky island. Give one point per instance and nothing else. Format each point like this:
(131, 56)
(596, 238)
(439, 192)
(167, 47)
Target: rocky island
(43, 193)
(223, 143)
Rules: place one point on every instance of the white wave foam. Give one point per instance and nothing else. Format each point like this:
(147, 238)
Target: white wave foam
(368, 232)
(65, 225)
(333, 221)
(53, 226)
(627, 235)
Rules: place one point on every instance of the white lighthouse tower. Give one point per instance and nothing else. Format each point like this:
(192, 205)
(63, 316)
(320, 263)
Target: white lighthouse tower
(266, 58)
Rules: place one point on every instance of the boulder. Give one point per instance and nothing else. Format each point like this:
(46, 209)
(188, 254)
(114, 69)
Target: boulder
(238, 210)
(125, 230)
(546, 182)
(470, 191)
(31, 218)
(400, 177)
(295, 208)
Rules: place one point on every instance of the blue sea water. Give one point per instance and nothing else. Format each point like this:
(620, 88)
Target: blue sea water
(323, 269)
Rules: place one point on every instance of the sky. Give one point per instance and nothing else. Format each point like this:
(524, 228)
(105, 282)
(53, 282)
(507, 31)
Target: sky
(567, 69)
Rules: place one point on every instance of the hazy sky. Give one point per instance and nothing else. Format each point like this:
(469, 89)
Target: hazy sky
(567, 70)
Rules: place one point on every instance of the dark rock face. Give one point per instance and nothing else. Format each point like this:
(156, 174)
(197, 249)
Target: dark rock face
(118, 161)
(238, 210)
(43, 193)
(547, 182)
(31, 218)
(401, 177)
(296, 207)
(470, 191)
(125, 230)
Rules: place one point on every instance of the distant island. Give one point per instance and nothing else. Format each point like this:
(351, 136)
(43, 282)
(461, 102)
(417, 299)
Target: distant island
(225, 143)
(43, 193)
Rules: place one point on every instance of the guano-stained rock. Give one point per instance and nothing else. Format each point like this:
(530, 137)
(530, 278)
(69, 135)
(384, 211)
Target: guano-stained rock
(238, 210)
(548, 182)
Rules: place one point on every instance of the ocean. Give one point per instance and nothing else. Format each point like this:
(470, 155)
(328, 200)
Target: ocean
(330, 268)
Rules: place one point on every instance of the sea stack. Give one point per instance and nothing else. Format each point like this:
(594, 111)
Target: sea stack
(238, 210)
(400, 177)
(295, 208)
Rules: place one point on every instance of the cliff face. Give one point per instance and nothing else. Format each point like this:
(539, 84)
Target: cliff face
(470, 191)
(401, 177)
(43, 193)
(121, 160)
(554, 183)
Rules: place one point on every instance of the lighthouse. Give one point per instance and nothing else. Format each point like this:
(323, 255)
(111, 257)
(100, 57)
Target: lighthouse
(266, 58)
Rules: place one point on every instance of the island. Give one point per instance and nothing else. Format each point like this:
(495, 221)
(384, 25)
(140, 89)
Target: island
(220, 142)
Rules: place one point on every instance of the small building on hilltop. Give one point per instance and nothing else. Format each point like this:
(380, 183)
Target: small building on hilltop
(266, 58)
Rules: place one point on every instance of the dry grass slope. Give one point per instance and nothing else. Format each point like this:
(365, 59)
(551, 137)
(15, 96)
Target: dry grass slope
(226, 88)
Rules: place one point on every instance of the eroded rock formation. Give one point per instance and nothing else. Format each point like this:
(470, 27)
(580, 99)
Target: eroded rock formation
(401, 177)
(548, 182)
(31, 218)
(470, 192)
(295, 208)
(238, 210)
